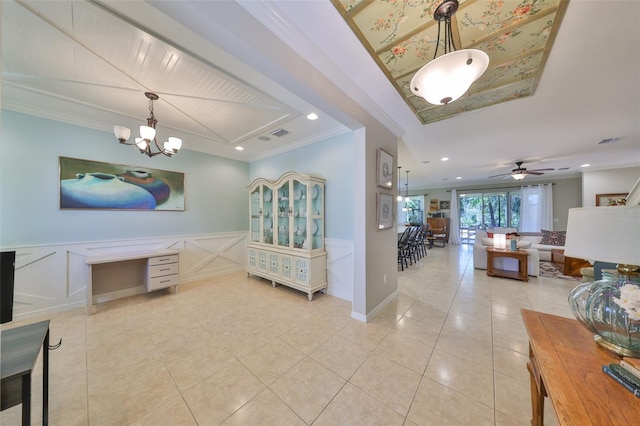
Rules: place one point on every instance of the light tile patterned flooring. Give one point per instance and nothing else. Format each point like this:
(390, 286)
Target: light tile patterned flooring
(450, 349)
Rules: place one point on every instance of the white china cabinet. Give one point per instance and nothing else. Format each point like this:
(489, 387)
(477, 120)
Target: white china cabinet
(286, 229)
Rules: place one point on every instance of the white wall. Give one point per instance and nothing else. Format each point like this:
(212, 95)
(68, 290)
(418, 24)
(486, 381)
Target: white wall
(615, 181)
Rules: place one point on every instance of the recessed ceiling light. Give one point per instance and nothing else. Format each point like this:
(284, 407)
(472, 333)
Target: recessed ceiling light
(585, 165)
(239, 148)
(458, 177)
(312, 116)
(444, 159)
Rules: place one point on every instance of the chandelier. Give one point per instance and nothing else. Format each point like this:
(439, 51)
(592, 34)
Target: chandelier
(447, 78)
(148, 135)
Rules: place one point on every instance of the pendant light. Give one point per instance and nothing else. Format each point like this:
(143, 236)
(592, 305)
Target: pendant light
(406, 197)
(447, 78)
(399, 198)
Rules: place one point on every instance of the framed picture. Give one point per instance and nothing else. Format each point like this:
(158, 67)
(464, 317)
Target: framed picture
(385, 212)
(87, 184)
(610, 199)
(385, 169)
(444, 205)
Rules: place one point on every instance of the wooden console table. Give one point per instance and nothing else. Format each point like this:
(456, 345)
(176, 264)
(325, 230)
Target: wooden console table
(19, 350)
(124, 274)
(521, 256)
(565, 365)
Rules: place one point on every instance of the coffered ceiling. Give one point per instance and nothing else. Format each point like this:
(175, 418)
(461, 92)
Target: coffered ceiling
(401, 36)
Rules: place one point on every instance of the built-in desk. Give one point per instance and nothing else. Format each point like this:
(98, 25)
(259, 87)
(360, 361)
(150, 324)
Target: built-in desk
(116, 275)
(19, 350)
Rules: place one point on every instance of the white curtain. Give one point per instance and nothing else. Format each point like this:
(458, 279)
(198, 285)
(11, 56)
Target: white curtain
(454, 220)
(536, 209)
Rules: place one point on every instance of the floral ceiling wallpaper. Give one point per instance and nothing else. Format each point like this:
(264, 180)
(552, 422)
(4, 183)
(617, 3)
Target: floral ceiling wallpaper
(401, 36)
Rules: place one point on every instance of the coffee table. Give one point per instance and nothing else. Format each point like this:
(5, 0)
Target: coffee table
(522, 256)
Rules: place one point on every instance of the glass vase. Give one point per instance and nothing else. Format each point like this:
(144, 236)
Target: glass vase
(593, 306)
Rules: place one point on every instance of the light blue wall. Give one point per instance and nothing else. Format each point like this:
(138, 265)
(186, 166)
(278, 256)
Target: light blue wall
(215, 188)
(332, 160)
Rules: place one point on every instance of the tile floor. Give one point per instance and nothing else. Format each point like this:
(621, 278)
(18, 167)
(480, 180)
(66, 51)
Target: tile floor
(450, 349)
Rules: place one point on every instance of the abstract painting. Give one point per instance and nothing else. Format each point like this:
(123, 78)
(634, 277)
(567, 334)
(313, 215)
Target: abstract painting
(87, 184)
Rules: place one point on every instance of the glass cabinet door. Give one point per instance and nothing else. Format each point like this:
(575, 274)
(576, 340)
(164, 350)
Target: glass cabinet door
(255, 206)
(299, 207)
(284, 221)
(267, 215)
(317, 217)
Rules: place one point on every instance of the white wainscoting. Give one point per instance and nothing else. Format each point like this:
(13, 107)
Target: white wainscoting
(340, 268)
(54, 278)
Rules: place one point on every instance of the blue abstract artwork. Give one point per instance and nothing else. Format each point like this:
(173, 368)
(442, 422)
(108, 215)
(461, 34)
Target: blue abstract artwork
(86, 184)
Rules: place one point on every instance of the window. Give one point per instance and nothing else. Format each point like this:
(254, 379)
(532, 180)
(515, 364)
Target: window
(490, 209)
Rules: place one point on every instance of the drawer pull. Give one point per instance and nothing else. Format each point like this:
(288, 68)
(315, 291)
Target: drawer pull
(165, 281)
(165, 269)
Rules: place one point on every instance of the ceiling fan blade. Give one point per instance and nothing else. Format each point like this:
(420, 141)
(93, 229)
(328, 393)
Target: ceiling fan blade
(502, 174)
(541, 170)
(531, 172)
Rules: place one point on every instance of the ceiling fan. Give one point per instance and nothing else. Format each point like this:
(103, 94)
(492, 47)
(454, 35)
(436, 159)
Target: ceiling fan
(520, 173)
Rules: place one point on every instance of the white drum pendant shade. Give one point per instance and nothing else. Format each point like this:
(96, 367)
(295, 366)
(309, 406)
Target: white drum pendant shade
(448, 77)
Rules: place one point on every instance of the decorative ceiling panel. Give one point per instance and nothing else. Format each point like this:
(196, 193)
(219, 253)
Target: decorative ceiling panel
(401, 36)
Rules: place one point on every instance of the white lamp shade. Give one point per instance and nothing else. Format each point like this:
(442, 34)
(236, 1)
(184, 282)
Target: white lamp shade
(518, 176)
(606, 234)
(122, 133)
(500, 241)
(173, 144)
(141, 144)
(147, 132)
(446, 78)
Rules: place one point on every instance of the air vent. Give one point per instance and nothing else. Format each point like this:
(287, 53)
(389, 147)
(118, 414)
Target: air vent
(279, 132)
(610, 140)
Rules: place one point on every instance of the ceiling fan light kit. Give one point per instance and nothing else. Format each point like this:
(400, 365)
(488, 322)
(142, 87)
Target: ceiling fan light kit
(520, 172)
(447, 78)
(148, 135)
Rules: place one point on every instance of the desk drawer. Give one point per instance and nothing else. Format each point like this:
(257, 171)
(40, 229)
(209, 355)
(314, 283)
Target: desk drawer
(161, 260)
(162, 282)
(161, 270)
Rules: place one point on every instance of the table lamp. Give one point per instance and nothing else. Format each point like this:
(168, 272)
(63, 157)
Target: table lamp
(607, 234)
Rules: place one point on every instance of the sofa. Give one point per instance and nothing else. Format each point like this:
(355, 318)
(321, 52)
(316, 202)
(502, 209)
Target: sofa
(538, 245)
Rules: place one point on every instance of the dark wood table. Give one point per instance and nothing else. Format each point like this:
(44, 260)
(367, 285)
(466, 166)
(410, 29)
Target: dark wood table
(568, 265)
(521, 256)
(20, 349)
(565, 364)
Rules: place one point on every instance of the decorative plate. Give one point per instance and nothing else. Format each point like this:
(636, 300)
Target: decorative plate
(314, 228)
(298, 194)
(267, 196)
(315, 192)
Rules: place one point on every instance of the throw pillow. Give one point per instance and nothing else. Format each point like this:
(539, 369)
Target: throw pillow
(523, 244)
(487, 242)
(490, 234)
(553, 238)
